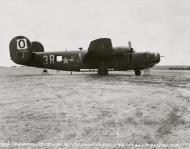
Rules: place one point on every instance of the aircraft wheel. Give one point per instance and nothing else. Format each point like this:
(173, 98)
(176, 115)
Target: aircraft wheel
(102, 70)
(137, 72)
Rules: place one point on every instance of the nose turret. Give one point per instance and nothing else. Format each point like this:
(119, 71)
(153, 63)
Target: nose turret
(152, 57)
(157, 57)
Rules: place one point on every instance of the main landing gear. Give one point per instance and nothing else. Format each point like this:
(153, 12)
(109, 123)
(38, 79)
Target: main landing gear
(137, 72)
(102, 70)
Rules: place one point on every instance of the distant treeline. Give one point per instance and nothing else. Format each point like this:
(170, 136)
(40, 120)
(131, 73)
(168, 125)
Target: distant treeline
(179, 68)
(170, 67)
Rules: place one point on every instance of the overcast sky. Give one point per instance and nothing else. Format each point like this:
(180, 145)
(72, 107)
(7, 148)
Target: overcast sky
(152, 25)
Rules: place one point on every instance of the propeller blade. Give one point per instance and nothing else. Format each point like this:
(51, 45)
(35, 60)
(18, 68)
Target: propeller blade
(130, 45)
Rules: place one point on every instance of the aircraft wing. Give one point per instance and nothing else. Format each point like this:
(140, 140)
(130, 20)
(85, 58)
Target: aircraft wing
(99, 51)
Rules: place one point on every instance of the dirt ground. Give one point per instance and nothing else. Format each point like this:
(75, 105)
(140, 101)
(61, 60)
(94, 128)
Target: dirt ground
(119, 108)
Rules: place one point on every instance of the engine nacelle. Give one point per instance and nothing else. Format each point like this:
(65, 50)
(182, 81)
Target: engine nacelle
(20, 50)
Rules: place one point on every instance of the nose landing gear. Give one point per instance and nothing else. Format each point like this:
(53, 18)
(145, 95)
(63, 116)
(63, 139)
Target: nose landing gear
(146, 72)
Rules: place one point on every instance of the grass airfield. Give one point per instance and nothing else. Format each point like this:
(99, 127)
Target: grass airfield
(83, 107)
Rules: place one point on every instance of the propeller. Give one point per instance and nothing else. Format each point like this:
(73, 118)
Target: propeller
(129, 43)
(130, 47)
(130, 50)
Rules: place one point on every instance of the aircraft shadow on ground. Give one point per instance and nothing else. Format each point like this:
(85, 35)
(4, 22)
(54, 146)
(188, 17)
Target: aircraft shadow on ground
(91, 75)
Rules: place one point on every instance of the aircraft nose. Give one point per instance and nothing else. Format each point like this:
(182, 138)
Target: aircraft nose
(153, 57)
(157, 57)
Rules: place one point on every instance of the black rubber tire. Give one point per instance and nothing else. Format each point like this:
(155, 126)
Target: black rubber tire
(137, 72)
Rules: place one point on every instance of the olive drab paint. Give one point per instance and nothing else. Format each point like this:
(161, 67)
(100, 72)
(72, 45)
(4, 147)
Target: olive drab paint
(100, 55)
(20, 51)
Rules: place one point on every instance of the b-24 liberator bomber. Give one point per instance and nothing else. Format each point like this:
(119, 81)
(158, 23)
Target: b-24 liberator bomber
(100, 55)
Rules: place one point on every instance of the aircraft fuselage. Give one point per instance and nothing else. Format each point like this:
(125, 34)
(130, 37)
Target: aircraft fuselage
(100, 55)
(73, 61)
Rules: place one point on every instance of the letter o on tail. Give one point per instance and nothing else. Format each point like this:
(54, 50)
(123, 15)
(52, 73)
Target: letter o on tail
(20, 43)
(20, 50)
